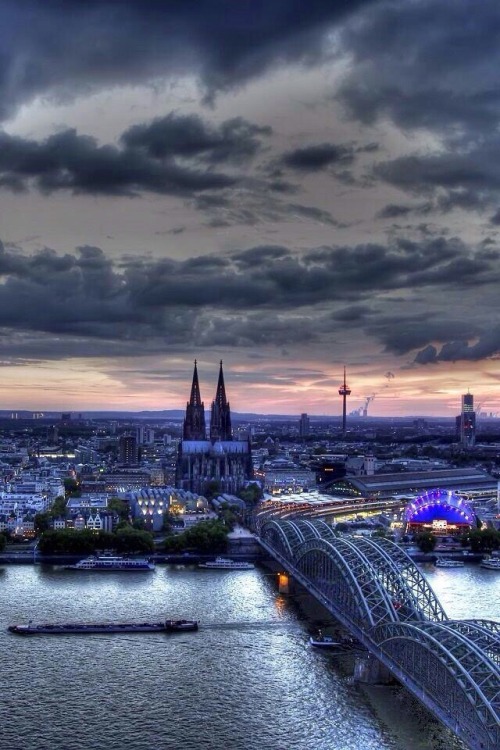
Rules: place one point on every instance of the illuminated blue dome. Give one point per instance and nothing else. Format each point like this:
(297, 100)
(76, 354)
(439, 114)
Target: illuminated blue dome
(439, 506)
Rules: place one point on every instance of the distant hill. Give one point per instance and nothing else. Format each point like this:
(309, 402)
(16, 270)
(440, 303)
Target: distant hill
(178, 415)
(166, 414)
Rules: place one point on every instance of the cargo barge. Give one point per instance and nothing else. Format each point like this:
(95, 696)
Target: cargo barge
(166, 626)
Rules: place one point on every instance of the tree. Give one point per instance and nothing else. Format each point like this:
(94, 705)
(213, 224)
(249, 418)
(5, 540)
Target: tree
(174, 543)
(58, 507)
(251, 494)
(42, 521)
(66, 541)
(126, 540)
(72, 487)
(120, 507)
(425, 541)
(131, 540)
(205, 536)
(483, 540)
(168, 522)
(227, 515)
(73, 542)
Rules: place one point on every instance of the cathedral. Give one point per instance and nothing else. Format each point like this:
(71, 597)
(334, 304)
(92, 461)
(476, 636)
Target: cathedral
(215, 457)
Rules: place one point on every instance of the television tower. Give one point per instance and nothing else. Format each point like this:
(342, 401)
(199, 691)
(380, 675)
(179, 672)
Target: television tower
(344, 391)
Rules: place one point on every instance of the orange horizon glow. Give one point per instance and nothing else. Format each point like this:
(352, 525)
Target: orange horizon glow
(269, 386)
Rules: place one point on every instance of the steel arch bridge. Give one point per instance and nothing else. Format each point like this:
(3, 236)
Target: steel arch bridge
(377, 592)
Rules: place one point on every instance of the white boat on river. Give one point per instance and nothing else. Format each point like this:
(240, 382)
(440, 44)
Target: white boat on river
(112, 563)
(224, 563)
(446, 562)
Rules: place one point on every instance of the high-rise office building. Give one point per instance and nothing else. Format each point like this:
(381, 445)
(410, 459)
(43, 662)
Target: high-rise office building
(128, 450)
(304, 425)
(466, 422)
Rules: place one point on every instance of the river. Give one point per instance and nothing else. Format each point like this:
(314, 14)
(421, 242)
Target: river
(247, 680)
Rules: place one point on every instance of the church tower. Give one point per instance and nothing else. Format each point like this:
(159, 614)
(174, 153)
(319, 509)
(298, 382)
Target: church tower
(220, 422)
(194, 422)
(220, 461)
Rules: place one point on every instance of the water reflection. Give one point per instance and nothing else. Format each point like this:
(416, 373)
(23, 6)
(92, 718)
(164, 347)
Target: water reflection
(247, 680)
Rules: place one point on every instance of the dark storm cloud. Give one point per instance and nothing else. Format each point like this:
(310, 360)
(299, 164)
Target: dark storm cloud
(175, 155)
(262, 295)
(258, 256)
(466, 178)
(354, 314)
(426, 65)
(406, 331)
(255, 329)
(404, 264)
(317, 157)
(281, 186)
(463, 175)
(68, 161)
(27, 347)
(65, 48)
(486, 345)
(394, 211)
(430, 66)
(438, 338)
(468, 200)
(427, 355)
(189, 136)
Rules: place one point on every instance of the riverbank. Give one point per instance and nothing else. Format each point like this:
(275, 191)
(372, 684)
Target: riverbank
(184, 558)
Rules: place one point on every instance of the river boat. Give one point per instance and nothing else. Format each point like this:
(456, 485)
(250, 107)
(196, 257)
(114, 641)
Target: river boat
(446, 562)
(224, 563)
(112, 563)
(180, 626)
(344, 643)
(325, 641)
(86, 628)
(490, 563)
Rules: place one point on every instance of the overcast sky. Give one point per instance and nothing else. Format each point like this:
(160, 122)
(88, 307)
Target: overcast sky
(288, 186)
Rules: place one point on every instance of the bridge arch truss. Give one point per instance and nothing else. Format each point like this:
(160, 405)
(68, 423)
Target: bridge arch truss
(376, 590)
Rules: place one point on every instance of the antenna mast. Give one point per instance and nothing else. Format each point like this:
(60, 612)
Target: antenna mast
(344, 391)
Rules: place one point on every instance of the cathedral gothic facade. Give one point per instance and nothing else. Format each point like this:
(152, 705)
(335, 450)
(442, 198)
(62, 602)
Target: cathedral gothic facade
(214, 457)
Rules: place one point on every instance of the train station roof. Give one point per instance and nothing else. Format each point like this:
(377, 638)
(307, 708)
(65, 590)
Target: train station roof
(419, 481)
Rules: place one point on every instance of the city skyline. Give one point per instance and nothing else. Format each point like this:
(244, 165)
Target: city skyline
(361, 411)
(289, 189)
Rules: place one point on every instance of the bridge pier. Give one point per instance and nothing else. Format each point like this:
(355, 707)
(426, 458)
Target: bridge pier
(285, 583)
(371, 671)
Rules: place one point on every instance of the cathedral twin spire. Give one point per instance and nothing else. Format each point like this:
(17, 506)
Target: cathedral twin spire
(194, 422)
(220, 422)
